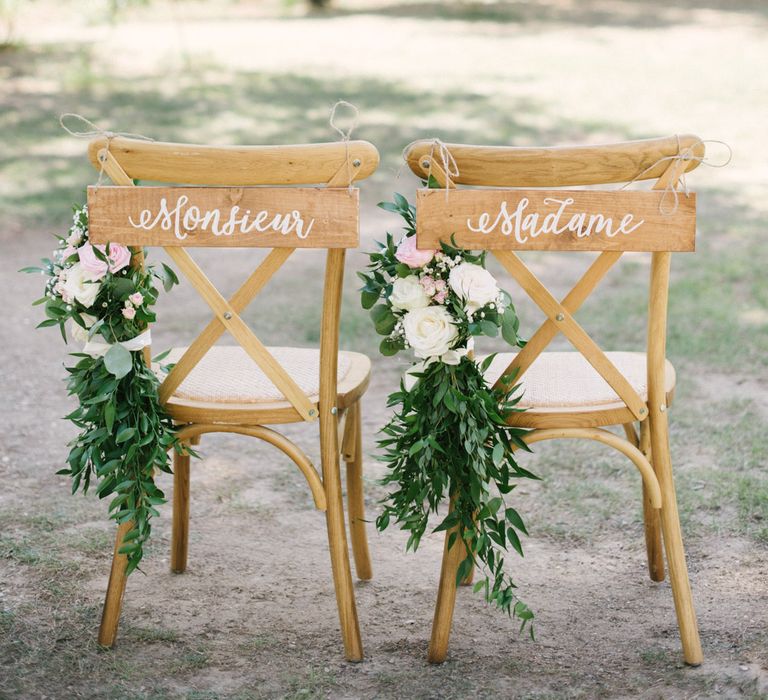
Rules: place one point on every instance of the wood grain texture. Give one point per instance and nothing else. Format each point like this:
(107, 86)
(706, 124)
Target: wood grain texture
(299, 164)
(662, 464)
(651, 521)
(576, 335)
(446, 595)
(215, 328)
(548, 330)
(504, 213)
(180, 522)
(113, 602)
(243, 334)
(214, 216)
(329, 455)
(352, 449)
(561, 166)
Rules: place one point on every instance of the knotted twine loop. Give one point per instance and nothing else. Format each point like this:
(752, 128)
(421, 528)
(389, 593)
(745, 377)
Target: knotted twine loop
(93, 131)
(683, 154)
(450, 167)
(345, 134)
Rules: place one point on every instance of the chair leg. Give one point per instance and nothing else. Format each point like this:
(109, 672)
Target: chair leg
(673, 541)
(353, 455)
(113, 602)
(180, 525)
(337, 541)
(446, 599)
(651, 516)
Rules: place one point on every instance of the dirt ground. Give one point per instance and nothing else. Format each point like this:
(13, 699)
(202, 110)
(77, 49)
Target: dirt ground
(254, 616)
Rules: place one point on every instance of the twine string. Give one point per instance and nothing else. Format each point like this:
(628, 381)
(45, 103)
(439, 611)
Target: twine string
(448, 162)
(92, 130)
(679, 184)
(345, 134)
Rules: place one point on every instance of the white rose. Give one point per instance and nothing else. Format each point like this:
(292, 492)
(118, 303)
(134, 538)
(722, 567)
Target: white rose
(430, 331)
(474, 284)
(79, 333)
(453, 357)
(77, 287)
(408, 294)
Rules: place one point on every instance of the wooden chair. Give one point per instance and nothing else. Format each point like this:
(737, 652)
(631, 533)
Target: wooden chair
(262, 385)
(577, 394)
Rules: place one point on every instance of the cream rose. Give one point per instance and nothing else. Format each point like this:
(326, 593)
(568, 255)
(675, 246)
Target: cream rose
(430, 331)
(79, 333)
(76, 286)
(408, 294)
(474, 284)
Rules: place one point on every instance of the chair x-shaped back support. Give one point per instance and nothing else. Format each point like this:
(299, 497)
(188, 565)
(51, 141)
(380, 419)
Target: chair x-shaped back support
(560, 314)
(227, 312)
(339, 427)
(667, 160)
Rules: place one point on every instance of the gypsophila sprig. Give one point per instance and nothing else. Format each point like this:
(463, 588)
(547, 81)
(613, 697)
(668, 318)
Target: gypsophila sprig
(125, 434)
(449, 439)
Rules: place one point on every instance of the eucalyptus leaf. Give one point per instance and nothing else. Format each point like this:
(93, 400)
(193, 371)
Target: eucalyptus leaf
(118, 361)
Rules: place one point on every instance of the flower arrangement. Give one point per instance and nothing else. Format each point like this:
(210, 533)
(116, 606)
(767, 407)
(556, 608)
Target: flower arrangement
(106, 304)
(449, 435)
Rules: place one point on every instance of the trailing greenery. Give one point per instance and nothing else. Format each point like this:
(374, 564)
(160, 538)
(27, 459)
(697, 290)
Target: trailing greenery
(448, 439)
(125, 434)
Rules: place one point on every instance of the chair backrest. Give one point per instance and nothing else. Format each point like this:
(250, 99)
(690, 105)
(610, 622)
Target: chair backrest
(611, 222)
(233, 215)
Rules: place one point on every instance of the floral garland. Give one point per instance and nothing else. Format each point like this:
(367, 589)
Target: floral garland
(449, 434)
(125, 433)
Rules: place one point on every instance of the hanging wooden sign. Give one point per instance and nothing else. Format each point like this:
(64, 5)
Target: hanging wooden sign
(271, 217)
(556, 220)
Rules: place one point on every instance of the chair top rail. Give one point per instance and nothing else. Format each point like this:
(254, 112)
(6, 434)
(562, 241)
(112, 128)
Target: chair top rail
(561, 166)
(296, 164)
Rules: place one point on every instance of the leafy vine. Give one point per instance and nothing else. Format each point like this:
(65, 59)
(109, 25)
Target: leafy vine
(125, 434)
(449, 437)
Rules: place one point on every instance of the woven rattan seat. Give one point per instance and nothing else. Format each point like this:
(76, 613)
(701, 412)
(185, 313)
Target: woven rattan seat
(566, 380)
(227, 374)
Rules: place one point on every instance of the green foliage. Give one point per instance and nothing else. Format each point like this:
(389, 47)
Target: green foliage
(449, 438)
(125, 434)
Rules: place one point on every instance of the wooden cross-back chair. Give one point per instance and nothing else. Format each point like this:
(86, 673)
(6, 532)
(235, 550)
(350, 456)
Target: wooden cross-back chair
(577, 394)
(263, 386)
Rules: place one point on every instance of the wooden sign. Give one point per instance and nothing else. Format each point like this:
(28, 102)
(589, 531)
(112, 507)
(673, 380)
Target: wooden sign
(271, 217)
(556, 220)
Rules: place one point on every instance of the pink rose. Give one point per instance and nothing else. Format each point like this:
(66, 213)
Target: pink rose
(94, 269)
(408, 253)
(119, 257)
(136, 299)
(129, 312)
(428, 283)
